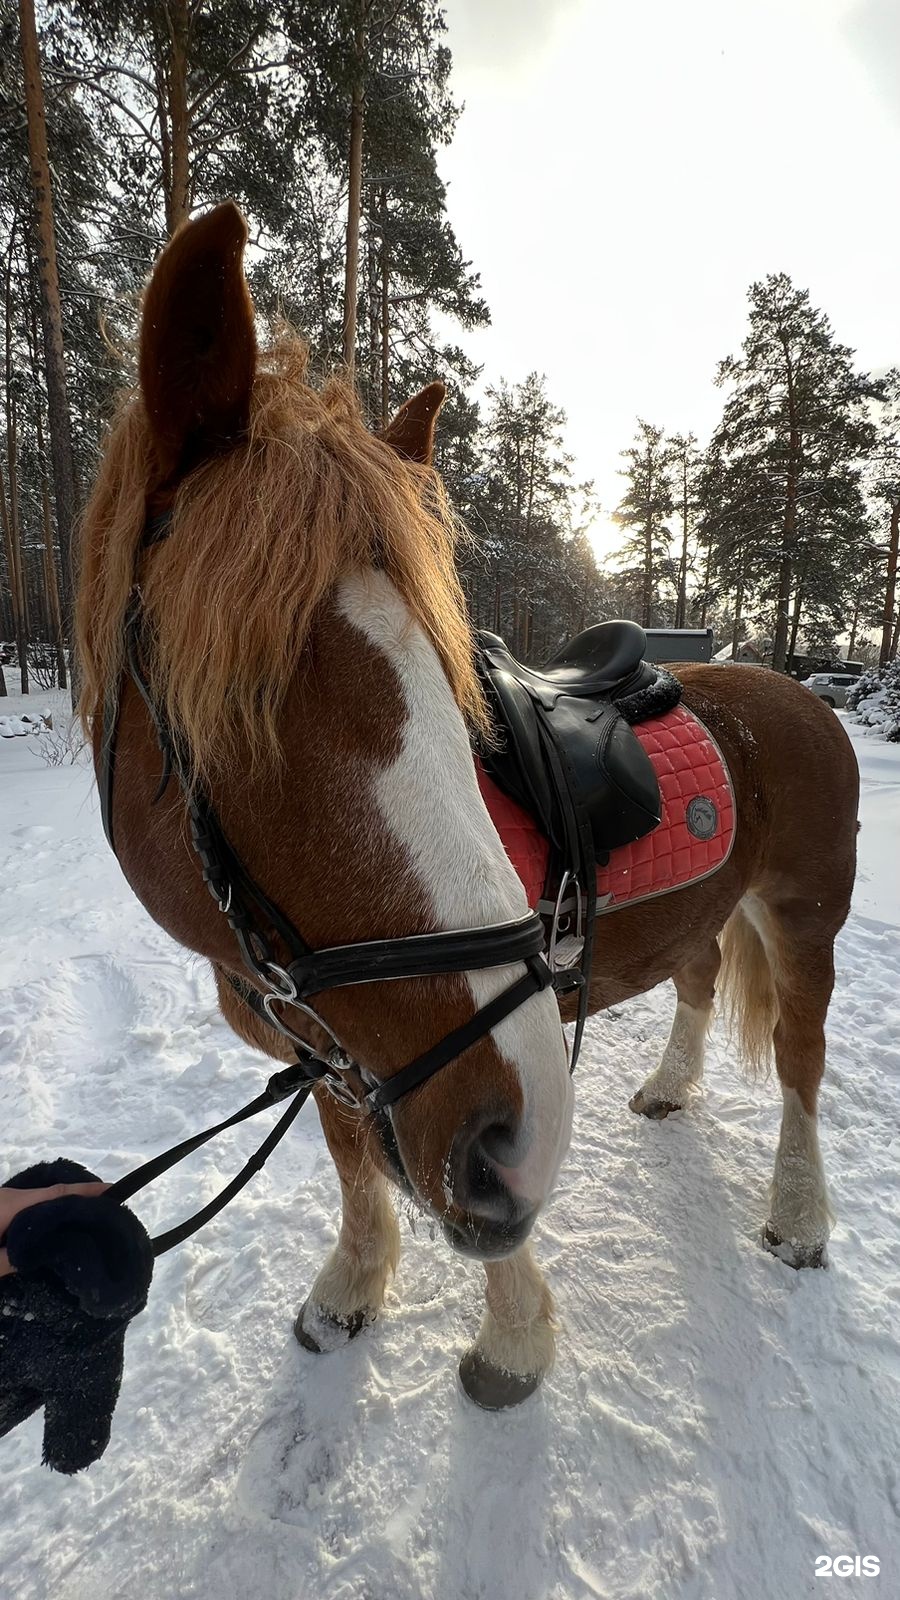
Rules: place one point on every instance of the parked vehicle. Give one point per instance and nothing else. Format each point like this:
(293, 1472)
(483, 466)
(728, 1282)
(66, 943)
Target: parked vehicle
(831, 686)
(804, 667)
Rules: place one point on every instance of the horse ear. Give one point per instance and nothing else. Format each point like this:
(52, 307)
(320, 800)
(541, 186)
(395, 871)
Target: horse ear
(411, 433)
(198, 347)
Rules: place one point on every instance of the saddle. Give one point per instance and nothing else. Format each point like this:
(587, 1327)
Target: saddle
(566, 747)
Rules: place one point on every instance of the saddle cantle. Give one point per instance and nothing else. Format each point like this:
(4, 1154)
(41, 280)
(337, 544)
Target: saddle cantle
(569, 724)
(601, 661)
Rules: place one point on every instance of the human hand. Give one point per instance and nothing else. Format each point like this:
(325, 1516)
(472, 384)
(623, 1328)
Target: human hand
(12, 1201)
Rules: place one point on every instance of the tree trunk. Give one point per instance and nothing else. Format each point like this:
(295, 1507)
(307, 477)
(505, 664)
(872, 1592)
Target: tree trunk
(704, 609)
(12, 568)
(783, 603)
(681, 602)
(795, 627)
(647, 587)
(373, 300)
(736, 629)
(54, 616)
(12, 537)
(178, 196)
(10, 511)
(851, 646)
(890, 593)
(354, 187)
(647, 597)
(51, 311)
(51, 605)
(789, 526)
(385, 314)
(895, 641)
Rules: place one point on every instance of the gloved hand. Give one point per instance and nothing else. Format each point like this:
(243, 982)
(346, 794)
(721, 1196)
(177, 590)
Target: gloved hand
(82, 1270)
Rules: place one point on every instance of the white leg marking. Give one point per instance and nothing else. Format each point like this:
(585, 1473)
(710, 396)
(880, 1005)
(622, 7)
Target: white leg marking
(355, 1276)
(799, 1211)
(430, 800)
(682, 1063)
(518, 1333)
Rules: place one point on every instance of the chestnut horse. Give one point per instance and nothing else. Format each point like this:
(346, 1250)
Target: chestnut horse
(306, 637)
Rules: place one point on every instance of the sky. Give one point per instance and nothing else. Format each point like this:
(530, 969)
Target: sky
(624, 169)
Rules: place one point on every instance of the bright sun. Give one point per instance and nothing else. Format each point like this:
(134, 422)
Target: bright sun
(605, 537)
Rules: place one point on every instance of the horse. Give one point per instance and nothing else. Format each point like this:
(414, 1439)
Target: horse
(305, 636)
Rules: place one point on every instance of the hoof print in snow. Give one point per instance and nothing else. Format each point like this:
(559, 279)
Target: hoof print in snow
(792, 1253)
(492, 1388)
(654, 1109)
(320, 1330)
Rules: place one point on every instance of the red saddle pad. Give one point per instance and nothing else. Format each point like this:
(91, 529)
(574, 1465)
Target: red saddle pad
(693, 839)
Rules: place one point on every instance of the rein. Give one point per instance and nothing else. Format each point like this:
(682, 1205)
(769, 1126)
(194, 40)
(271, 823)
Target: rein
(255, 918)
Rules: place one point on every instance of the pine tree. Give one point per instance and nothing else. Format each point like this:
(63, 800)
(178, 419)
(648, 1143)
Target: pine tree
(384, 107)
(886, 493)
(35, 483)
(795, 420)
(643, 510)
(686, 466)
(531, 573)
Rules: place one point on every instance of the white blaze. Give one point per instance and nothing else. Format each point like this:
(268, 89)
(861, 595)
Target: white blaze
(430, 801)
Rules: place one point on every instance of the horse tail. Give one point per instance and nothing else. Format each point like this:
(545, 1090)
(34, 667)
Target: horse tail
(747, 989)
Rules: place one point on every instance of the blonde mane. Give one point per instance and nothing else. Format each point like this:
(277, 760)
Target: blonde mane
(259, 538)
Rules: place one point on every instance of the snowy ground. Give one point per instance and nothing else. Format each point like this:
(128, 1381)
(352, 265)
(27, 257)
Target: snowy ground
(715, 1422)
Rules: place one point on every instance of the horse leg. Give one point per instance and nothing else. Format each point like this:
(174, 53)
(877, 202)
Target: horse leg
(669, 1087)
(349, 1291)
(802, 959)
(516, 1343)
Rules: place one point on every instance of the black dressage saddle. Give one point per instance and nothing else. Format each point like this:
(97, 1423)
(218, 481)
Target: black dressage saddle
(564, 736)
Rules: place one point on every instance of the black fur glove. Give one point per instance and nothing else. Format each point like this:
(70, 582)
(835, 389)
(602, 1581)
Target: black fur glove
(83, 1268)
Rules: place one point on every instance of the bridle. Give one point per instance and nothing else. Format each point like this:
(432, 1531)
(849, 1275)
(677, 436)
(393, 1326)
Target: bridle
(275, 981)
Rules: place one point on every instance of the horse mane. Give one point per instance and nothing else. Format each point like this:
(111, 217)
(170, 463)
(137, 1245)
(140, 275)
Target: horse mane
(260, 535)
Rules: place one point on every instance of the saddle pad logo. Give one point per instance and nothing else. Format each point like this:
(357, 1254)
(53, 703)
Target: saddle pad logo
(702, 817)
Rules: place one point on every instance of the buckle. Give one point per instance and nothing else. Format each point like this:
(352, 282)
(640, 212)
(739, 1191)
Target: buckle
(341, 1091)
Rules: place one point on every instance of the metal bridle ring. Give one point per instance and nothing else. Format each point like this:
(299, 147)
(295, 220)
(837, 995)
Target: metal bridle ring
(281, 984)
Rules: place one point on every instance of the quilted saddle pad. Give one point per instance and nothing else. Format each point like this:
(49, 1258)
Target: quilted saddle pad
(692, 841)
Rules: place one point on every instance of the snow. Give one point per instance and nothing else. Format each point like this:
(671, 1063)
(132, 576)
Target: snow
(715, 1420)
(877, 701)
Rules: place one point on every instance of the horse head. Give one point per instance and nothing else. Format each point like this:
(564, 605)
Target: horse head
(305, 636)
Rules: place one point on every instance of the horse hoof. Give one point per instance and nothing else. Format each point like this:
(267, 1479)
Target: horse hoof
(793, 1254)
(320, 1331)
(655, 1109)
(492, 1388)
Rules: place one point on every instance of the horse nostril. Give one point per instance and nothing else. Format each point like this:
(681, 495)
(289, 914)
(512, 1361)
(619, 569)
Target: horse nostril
(499, 1142)
(480, 1151)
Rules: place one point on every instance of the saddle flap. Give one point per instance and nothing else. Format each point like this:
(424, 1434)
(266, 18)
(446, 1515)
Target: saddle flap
(598, 760)
(627, 805)
(517, 764)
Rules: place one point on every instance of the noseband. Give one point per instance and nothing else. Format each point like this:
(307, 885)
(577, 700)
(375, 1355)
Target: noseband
(258, 922)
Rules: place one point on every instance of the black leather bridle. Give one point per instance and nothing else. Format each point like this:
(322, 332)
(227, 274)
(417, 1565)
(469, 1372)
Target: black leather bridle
(257, 922)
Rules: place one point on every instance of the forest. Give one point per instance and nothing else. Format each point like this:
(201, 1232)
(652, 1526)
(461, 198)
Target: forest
(325, 120)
